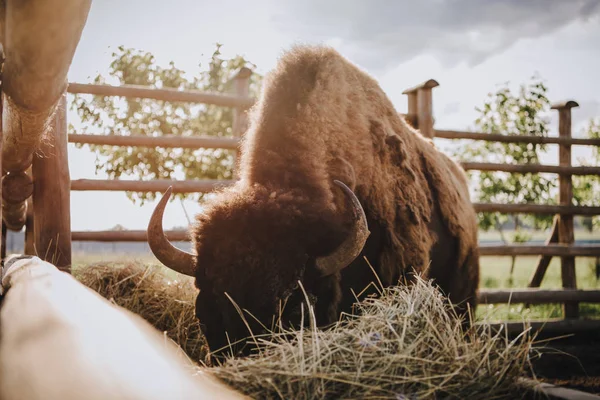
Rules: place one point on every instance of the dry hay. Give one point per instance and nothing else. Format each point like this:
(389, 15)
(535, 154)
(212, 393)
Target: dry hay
(406, 344)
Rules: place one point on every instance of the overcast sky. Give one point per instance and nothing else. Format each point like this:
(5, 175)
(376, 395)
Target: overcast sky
(468, 46)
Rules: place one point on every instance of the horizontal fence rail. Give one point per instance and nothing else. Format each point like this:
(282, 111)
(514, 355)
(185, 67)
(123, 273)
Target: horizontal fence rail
(183, 142)
(537, 296)
(549, 328)
(536, 209)
(203, 186)
(158, 185)
(530, 168)
(492, 137)
(125, 236)
(165, 94)
(562, 250)
(420, 117)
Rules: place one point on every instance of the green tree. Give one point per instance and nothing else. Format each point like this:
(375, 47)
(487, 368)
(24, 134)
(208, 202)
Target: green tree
(523, 113)
(586, 189)
(128, 116)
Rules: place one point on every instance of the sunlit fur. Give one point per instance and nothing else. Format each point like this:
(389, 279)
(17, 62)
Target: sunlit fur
(321, 118)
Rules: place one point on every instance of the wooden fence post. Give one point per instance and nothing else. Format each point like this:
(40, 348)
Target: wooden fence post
(420, 107)
(52, 194)
(544, 261)
(2, 237)
(240, 118)
(29, 247)
(566, 233)
(3, 245)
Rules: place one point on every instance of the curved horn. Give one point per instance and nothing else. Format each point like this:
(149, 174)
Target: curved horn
(354, 243)
(172, 257)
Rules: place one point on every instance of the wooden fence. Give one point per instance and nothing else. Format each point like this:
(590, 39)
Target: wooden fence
(561, 242)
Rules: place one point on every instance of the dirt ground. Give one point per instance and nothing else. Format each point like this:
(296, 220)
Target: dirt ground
(572, 362)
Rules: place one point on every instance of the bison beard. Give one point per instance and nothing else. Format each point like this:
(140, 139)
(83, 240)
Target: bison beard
(321, 121)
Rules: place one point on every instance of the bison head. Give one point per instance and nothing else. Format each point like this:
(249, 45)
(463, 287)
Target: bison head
(260, 256)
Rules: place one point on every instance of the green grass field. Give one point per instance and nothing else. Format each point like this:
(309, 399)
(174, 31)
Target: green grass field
(495, 274)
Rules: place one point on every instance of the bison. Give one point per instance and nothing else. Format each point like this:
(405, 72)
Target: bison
(335, 186)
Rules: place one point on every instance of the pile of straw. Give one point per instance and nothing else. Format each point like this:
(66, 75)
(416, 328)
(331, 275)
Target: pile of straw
(405, 344)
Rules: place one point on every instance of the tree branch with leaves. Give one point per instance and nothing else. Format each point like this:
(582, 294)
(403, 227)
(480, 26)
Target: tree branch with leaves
(109, 115)
(524, 113)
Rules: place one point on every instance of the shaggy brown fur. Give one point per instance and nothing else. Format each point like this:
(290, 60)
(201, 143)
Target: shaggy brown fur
(320, 118)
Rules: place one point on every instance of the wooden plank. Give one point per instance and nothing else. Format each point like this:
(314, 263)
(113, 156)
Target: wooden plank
(3, 226)
(14, 215)
(62, 340)
(3, 242)
(165, 94)
(544, 261)
(551, 327)
(566, 232)
(425, 111)
(420, 115)
(563, 250)
(546, 391)
(168, 141)
(531, 168)
(158, 185)
(51, 194)
(17, 187)
(202, 186)
(29, 246)
(536, 209)
(411, 115)
(490, 137)
(40, 42)
(124, 236)
(428, 84)
(537, 296)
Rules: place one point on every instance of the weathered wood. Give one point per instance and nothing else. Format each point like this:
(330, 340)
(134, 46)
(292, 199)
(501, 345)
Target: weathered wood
(537, 296)
(52, 196)
(40, 41)
(450, 134)
(425, 111)
(17, 187)
(62, 340)
(536, 209)
(544, 261)
(158, 185)
(3, 242)
(420, 114)
(202, 186)
(563, 250)
(29, 229)
(125, 236)
(566, 232)
(428, 84)
(546, 391)
(165, 94)
(168, 141)
(14, 215)
(550, 327)
(531, 168)
(412, 114)
(2, 23)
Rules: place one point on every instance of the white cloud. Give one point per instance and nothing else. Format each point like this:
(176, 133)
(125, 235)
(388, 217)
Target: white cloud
(382, 33)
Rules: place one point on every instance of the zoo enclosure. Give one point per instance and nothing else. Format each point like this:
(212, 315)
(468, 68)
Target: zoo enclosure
(419, 114)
